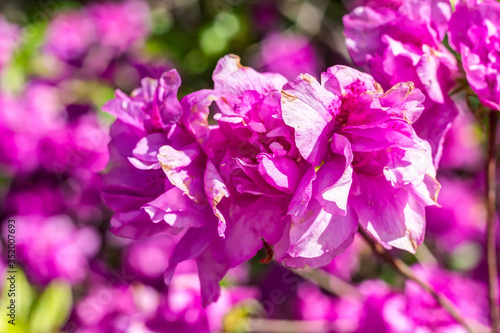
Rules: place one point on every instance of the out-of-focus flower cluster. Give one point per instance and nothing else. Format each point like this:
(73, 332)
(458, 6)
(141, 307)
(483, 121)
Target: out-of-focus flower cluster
(205, 197)
(474, 33)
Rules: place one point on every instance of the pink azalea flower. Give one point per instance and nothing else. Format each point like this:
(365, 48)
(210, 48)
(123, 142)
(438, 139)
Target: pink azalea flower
(268, 165)
(462, 147)
(367, 162)
(135, 178)
(289, 55)
(380, 308)
(454, 224)
(202, 164)
(140, 308)
(147, 136)
(109, 27)
(39, 133)
(70, 35)
(119, 25)
(404, 43)
(475, 34)
(52, 247)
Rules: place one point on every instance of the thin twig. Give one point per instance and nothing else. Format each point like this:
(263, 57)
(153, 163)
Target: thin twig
(257, 325)
(329, 282)
(407, 272)
(490, 233)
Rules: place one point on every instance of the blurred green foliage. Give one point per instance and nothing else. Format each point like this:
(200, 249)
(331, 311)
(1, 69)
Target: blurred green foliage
(36, 312)
(191, 34)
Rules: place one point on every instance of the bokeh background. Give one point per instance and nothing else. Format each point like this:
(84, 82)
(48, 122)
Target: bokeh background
(60, 61)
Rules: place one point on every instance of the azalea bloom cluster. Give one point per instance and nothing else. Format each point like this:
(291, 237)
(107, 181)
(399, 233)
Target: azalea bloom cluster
(295, 165)
(219, 197)
(106, 28)
(378, 39)
(401, 41)
(52, 153)
(53, 143)
(144, 308)
(101, 41)
(474, 33)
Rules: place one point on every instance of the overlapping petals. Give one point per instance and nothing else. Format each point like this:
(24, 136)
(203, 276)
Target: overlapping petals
(475, 34)
(293, 166)
(370, 165)
(403, 42)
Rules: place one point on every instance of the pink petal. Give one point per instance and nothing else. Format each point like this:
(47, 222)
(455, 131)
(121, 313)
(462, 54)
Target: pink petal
(320, 232)
(177, 210)
(394, 216)
(309, 109)
(216, 190)
(135, 224)
(281, 172)
(234, 79)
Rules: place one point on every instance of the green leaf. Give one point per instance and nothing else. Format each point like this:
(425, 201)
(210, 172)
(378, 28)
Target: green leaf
(23, 299)
(52, 308)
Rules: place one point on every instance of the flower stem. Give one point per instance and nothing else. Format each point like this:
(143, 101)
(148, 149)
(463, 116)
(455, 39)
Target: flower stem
(490, 233)
(407, 272)
(257, 325)
(329, 282)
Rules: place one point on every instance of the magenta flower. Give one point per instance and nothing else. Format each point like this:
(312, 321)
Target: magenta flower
(36, 132)
(135, 178)
(463, 143)
(107, 27)
(250, 154)
(246, 164)
(378, 308)
(70, 35)
(52, 247)
(120, 25)
(454, 224)
(367, 164)
(399, 43)
(469, 296)
(148, 136)
(141, 308)
(475, 34)
(289, 55)
(233, 187)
